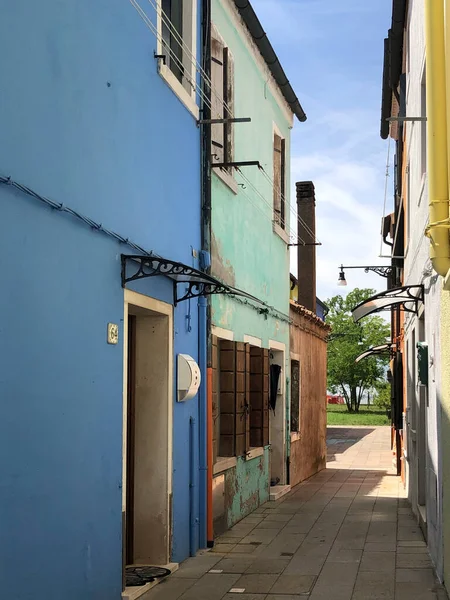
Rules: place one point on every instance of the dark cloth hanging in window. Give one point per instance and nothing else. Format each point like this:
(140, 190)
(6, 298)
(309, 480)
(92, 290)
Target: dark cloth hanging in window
(275, 371)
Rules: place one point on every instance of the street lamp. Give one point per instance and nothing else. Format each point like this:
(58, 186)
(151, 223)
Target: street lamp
(379, 270)
(341, 280)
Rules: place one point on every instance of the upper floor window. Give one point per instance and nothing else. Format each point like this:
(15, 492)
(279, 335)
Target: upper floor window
(172, 34)
(279, 179)
(177, 35)
(222, 99)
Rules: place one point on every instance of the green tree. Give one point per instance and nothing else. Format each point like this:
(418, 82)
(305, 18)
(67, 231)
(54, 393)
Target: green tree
(383, 396)
(347, 341)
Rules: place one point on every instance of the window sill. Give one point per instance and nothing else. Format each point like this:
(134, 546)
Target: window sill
(254, 453)
(224, 463)
(227, 179)
(178, 89)
(295, 436)
(280, 232)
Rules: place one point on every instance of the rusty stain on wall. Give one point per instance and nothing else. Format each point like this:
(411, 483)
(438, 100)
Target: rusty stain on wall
(222, 269)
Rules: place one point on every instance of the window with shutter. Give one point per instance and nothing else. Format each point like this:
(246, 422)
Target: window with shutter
(231, 398)
(279, 177)
(259, 397)
(222, 99)
(295, 396)
(172, 47)
(227, 398)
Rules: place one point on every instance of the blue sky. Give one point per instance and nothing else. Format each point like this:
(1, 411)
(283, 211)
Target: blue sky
(332, 52)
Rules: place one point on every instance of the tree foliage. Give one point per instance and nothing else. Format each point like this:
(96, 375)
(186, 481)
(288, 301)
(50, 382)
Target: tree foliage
(347, 341)
(383, 397)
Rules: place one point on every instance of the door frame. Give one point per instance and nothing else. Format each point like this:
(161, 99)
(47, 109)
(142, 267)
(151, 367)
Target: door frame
(162, 308)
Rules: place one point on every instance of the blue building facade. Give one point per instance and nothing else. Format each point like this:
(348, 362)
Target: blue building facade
(91, 120)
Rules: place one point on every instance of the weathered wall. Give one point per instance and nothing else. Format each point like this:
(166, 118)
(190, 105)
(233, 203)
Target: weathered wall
(246, 487)
(418, 270)
(106, 151)
(445, 429)
(308, 346)
(245, 251)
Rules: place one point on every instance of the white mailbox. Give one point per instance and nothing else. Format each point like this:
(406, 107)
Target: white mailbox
(189, 377)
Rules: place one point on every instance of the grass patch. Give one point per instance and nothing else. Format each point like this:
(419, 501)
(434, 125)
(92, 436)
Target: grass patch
(337, 414)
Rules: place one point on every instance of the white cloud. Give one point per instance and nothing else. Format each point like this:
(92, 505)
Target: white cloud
(349, 196)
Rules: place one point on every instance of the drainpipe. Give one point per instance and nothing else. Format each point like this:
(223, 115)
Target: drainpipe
(205, 399)
(437, 75)
(202, 419)
(193, 520)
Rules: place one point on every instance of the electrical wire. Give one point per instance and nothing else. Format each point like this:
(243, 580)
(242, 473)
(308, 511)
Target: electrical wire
(66, 209)
(166, 19)
(198, 88)
(180, 64)
(296, 216)
(263, 308)
(293, 234)
(261, 210)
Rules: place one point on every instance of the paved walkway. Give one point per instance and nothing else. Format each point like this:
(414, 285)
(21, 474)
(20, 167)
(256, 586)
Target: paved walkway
(345, 534)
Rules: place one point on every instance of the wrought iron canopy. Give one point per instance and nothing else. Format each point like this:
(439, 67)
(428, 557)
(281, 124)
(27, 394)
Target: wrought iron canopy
(406, 297)
(384, 348)
(196, 283)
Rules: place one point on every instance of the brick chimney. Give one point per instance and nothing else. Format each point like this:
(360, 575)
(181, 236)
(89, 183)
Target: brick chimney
(306, 268)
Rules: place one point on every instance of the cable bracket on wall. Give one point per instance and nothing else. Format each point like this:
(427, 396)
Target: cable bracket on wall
(224, 121)
(235, 165)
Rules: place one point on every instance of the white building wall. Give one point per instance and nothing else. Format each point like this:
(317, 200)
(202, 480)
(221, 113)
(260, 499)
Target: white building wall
(418, 271)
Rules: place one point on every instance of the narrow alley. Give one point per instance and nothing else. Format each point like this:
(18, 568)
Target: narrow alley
(345, 534)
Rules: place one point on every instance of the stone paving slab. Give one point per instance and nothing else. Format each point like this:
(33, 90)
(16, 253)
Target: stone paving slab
(347, 533)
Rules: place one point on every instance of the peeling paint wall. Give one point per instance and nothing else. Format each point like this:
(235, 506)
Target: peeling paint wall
(245, 251)
(246, 487)
(308, 449)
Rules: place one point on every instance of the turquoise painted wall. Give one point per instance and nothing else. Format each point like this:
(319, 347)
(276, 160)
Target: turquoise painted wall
(246, 487)
(246, 252)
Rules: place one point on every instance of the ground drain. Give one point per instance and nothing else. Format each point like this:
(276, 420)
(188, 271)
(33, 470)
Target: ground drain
(141, 575)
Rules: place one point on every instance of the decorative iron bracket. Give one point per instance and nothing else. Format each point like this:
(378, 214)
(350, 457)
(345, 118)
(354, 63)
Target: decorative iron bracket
(384, 271)
(196, 289)
(195, 282)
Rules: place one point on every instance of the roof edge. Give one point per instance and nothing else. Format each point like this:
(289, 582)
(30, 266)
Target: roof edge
(268, 53)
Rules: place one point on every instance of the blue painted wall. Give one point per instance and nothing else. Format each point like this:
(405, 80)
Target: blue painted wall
(127, 155)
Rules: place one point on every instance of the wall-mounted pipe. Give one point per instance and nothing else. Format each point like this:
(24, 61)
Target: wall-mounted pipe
(202, 421)
(193, 520)
(437, 77)
(209, 440)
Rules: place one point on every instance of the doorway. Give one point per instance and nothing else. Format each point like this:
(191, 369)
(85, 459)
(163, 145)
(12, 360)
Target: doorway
(422, 435)
(277, 417)
(147, 436)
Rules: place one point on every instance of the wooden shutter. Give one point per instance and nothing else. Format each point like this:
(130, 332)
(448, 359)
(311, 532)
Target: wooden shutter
(277, 172)
(215, 396)
(227, 444)
(265, 401)
(282, 184)
(242, 387)
(247, 396)
(295, 395)
(259, 397)
(217, 96)
(228, 110)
